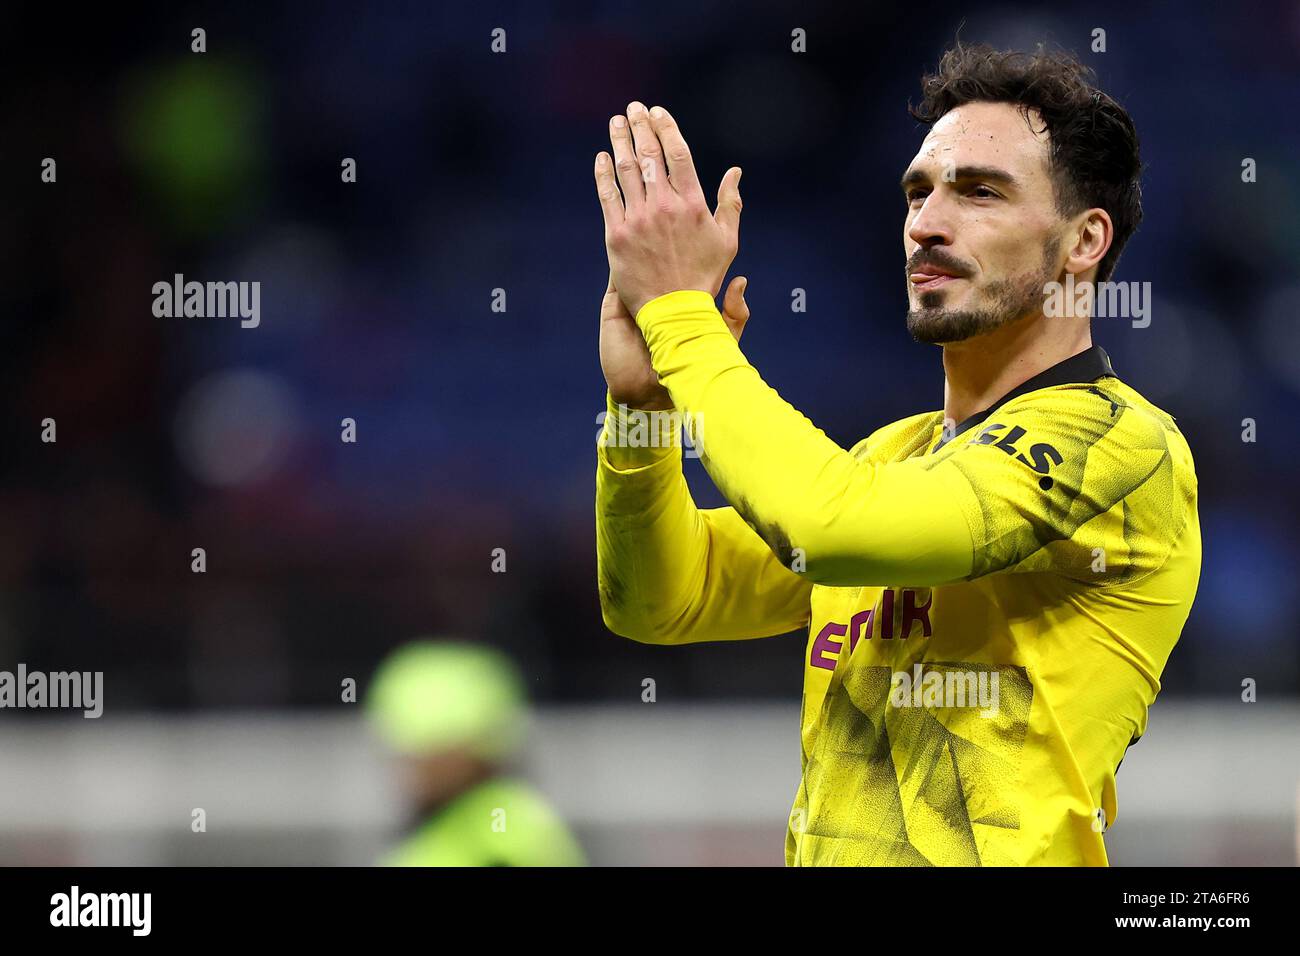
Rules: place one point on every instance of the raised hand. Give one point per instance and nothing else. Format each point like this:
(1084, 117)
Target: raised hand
(659, 233)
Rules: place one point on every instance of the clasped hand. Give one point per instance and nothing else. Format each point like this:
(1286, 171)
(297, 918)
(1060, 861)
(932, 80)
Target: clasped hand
(659, 233)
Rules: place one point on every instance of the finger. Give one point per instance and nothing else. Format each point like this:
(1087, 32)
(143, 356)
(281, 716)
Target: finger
(625, 162)
(611, 203)
(735, 311)
(728, 212)
(677, 155)
(648, 151)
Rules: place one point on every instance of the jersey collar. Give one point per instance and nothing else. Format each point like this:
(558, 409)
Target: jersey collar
(1086, 366)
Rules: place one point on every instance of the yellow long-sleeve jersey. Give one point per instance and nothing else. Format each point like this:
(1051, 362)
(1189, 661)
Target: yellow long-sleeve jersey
(989, 609)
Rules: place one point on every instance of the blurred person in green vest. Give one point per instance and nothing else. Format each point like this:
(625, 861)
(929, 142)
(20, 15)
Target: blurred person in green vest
(455, 714)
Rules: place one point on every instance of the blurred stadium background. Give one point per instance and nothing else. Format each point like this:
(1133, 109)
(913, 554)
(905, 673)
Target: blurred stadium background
(476, 429)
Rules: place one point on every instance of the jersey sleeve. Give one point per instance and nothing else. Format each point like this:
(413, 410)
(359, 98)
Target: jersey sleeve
(1000, 499)
(671, 573)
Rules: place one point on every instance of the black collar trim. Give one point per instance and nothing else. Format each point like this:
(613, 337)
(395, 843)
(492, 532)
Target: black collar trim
(1087, 366)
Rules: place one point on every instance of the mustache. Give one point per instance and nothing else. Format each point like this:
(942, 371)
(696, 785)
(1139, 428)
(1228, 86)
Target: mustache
(936, 257)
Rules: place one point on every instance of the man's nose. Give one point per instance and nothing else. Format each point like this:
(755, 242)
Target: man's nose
(932, 225)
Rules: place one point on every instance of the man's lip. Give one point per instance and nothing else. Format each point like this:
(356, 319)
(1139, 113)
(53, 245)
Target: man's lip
(920, 278)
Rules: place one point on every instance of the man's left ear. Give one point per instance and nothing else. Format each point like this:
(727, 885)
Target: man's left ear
(1092, 233)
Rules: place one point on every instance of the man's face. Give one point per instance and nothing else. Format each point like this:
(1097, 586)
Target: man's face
(982, 235)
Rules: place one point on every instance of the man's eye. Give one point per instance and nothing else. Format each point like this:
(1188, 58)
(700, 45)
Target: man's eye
(915, 195)
(983, 192)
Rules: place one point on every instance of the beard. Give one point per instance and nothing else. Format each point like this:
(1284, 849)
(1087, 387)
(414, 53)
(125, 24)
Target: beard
(1006, 301)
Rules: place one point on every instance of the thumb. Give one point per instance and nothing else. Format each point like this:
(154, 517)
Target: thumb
(735, 312)
(728, 214)
(611, 306)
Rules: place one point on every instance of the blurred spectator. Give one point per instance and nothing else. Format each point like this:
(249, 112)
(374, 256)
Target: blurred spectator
(455, 714)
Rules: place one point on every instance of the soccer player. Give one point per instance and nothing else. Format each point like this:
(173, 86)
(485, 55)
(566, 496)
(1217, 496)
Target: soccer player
(991, 590)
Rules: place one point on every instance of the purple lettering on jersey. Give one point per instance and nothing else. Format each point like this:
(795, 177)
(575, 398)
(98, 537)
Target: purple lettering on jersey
(823, 643)
(856, 625)
(887, 616)
(913, 613)
(862, 624)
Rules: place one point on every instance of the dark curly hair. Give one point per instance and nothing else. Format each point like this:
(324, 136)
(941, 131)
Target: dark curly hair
(1093, 143)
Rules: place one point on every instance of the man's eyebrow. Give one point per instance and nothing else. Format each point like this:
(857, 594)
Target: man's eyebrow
(996, 174)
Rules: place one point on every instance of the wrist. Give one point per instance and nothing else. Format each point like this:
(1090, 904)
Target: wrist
(680, 299)
(641, 403)
(635, 437)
